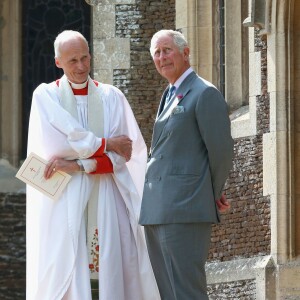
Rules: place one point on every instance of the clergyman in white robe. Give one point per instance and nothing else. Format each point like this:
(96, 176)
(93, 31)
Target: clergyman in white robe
(57, 259)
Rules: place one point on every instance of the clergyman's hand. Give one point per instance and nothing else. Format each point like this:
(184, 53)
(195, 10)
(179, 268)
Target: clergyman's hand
(60, 164)
(223, 204)
(121, 145)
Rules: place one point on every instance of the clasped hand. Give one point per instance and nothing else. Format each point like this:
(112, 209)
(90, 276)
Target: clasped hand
(121, 145)
(223, 204)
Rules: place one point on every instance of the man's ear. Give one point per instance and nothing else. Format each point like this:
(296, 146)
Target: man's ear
(57, 63)
(186, 52)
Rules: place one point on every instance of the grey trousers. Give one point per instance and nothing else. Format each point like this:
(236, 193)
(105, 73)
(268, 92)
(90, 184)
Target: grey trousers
(178, 253)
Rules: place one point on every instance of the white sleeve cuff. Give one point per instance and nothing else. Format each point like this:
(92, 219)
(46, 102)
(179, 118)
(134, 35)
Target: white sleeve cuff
(89, 165)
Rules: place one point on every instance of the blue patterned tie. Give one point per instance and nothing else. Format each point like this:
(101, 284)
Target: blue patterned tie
(170, 93)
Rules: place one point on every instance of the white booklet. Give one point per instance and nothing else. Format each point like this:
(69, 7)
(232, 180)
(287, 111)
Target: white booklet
(32, 173)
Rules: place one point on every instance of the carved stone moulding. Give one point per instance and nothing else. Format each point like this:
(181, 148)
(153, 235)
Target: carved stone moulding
(93, 2)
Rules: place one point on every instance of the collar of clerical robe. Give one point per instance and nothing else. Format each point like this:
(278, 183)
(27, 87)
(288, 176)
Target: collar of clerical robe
(79, 89)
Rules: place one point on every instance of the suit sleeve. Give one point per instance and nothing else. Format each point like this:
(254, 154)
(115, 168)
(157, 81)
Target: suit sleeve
(214, 126)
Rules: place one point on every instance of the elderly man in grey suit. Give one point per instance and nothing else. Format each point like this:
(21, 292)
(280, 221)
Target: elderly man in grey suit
(189, 162)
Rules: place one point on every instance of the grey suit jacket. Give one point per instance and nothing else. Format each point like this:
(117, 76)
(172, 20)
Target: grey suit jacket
(190, 157)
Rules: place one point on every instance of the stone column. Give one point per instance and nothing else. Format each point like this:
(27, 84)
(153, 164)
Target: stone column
(109, 52)
(194, 19)
(10, 62)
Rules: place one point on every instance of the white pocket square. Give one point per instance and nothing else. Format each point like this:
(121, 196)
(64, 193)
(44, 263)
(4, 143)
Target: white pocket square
(177, 110)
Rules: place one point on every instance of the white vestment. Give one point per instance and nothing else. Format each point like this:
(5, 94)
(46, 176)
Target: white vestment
(57, 261)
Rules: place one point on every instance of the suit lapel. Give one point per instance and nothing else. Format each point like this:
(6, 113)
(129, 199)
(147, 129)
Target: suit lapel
(162, 102)
(185, 86)
(164, 114)
(160, 119)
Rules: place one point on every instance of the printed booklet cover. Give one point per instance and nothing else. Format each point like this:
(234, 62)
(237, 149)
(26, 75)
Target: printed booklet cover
(32, 173)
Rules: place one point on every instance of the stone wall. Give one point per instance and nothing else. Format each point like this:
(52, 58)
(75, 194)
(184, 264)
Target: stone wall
(141, 84)
(242, 290)
(245, 230)
(12, 246)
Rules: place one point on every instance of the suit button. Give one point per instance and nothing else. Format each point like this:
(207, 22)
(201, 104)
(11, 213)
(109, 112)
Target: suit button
(160, 156)
(146, 180)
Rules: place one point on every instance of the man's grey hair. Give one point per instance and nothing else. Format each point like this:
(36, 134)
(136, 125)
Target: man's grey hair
(178, 39)
(65, 36)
